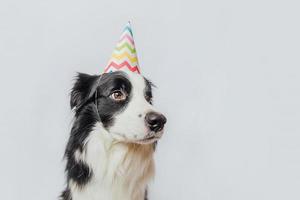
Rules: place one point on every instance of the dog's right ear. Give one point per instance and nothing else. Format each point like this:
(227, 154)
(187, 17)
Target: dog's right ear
(84, 88)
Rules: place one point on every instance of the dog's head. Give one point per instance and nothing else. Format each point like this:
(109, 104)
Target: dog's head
(122, 103)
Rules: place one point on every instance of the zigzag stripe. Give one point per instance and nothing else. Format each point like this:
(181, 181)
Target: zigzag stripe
(124, 50)
(125, 44)
(128, 38)
(123, 64)
(134, 69)
(125, 55)
(122, 42)
(128, 29)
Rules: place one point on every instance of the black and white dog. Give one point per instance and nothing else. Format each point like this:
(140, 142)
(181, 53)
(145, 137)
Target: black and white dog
(110, 150)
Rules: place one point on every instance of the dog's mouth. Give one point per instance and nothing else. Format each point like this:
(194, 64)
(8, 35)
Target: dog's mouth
(152, 137)
(147, 140)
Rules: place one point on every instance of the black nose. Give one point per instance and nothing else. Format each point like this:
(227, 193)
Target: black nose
(155, 121)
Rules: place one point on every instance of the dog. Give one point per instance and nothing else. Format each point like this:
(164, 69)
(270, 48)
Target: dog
(109, 153)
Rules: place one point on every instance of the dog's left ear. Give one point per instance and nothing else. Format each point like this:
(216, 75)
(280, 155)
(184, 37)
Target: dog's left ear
(83, 89)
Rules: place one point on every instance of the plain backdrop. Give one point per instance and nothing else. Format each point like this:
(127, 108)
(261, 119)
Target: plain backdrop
(228, 80)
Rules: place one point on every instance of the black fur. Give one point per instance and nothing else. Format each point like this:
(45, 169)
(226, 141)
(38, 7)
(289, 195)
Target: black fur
(66, 195)
(83, 89)
(148, 90)
(91, 103)
(146, 195)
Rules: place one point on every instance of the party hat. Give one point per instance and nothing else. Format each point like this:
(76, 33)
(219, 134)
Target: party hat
(124, 56)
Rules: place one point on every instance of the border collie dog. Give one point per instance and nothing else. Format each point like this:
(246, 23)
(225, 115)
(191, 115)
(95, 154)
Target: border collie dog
(110, 150)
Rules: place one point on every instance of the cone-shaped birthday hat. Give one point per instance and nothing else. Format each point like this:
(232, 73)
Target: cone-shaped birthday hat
(124, 56)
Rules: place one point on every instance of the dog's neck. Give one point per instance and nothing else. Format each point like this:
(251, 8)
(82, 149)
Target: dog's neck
(119, 170)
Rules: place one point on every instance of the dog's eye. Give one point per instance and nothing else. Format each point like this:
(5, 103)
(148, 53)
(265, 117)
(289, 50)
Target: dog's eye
(118, 95)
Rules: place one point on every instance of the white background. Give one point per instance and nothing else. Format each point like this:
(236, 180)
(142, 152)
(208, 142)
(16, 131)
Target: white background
(228, 80)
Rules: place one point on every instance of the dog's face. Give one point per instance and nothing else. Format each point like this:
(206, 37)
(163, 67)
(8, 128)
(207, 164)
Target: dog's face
(122, 102)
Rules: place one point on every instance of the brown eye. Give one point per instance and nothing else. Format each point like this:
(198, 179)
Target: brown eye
(118, 95)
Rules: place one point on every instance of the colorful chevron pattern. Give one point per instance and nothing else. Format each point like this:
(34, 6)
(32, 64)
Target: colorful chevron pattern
(124, 56)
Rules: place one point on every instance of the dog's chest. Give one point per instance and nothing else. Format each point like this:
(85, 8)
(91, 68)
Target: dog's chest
(119, 171)
(102, 191)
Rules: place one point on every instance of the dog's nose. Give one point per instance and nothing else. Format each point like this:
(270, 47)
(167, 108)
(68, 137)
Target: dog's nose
(155, 121)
